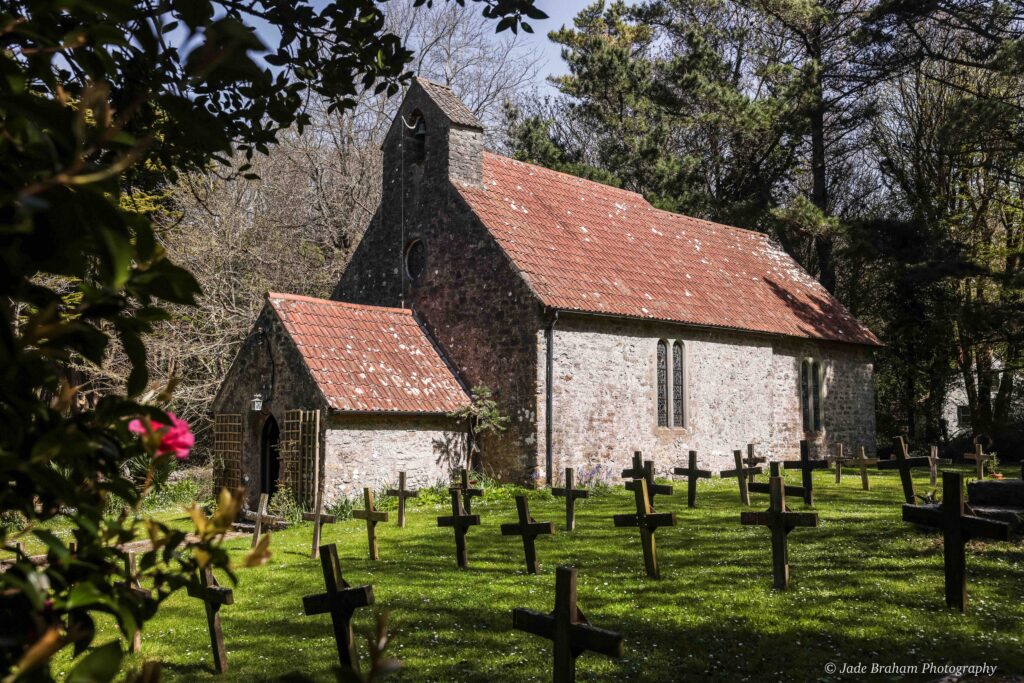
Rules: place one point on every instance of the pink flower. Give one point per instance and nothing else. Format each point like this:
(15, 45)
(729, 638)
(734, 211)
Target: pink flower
(174, 438)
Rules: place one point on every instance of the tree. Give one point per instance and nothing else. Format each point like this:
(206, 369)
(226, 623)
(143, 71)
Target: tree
(93, 97)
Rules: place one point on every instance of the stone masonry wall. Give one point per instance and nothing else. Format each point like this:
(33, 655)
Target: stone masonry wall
(265, 362)
(370, 450)
(740, 389)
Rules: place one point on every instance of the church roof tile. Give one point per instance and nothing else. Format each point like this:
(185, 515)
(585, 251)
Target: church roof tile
(589, 247)
(369, 358)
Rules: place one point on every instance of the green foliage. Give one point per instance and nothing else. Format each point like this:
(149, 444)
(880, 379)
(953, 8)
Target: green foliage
(341, 508)
(283, 504)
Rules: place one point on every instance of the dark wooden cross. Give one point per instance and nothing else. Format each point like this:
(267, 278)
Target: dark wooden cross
(402, 494)
(692, 474)
(372, 517)
(214, 596)
(752, 460)
(529, 529)
(862, 461)
(340, 601)
(933, 464)
(806, 467)
(648, 522)
(319, 518)
(766, 488)
(741, 473)
(980, 457)
(781, 521)
(135, 588)
(646, 472)
(567, 627)
(261, 510)
(904, 463)
(839, 459)
(957, 529)
(460, 520)
(467, 493)
(570, 494)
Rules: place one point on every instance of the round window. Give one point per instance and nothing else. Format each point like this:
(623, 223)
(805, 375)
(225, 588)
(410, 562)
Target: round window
(415, 260)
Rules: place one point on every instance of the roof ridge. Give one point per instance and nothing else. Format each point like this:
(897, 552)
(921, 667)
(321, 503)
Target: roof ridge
(345, 304)
(569, 175)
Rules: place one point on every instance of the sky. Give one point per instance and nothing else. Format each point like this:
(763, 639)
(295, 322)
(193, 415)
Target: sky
(560, 13)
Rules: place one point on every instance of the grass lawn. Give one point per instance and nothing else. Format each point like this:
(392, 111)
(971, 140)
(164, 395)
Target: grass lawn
(866, 588)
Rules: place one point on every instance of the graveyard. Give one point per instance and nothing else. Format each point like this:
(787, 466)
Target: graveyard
(865, 586)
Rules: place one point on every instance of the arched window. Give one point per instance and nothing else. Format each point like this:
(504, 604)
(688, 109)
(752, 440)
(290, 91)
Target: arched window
(663, 383)
(678, 386)
(415, 137)
(415, 260)
(811, 394)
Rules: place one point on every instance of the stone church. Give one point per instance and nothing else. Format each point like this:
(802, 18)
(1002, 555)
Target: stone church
(601, 324)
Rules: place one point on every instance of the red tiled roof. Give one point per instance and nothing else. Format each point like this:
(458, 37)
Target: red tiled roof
(589, 247)
(368, 358)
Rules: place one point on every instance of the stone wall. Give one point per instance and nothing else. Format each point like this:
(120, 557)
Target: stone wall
(270, 364)
(370, 450)
(739, 388)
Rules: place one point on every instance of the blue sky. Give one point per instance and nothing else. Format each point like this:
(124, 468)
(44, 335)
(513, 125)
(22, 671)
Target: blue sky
(560, 13)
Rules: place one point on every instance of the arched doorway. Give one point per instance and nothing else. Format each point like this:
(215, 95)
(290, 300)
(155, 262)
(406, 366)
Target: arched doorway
(270, 456)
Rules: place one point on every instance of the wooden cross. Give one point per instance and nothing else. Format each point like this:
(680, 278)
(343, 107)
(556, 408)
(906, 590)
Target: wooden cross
(567, 627)
(741, 473)
(904, 464)
(467, 493)
(319, 518)
(957, 529)
(646, 472)
(402, 493)
(766, 487)
(341, 601)
(752, 461)
(135, 588)
(692, 474)
(214, 596)
(839, 459)
(806, 466)
(980, 457)
(372, 517)
(460, 520)
(261, 510)
(570, 494)
(933, 464)
(862, 461)
(529, 529)
(648, 522)
(781, 522)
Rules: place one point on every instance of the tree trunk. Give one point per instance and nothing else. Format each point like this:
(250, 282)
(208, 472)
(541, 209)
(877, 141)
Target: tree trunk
(823, 243)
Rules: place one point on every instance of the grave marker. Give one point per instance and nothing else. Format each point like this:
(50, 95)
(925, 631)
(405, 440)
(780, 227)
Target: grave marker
(933, 464)
(904, 463)
(467, 493)
(741, 473)
(957, 529)
(862, 461)
(402, 493)
(567, 627)
(648, 522)
(261, 510)
(839, 459)
(460, 521)
(134, 587)
(214, 596)
(372, 517)
(318, 518)
(751, 461)
(980, 457)
(646, 472)
(341, 601)
(781, 522)
(570, 494)
(692, 474)
(806, 467)
(529, 529)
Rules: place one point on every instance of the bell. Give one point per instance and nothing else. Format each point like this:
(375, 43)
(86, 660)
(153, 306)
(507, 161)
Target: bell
(420, 132)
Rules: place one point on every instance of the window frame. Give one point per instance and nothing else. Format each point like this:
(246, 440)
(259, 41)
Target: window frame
(662, 372)
(677, 390)
(812, 394)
